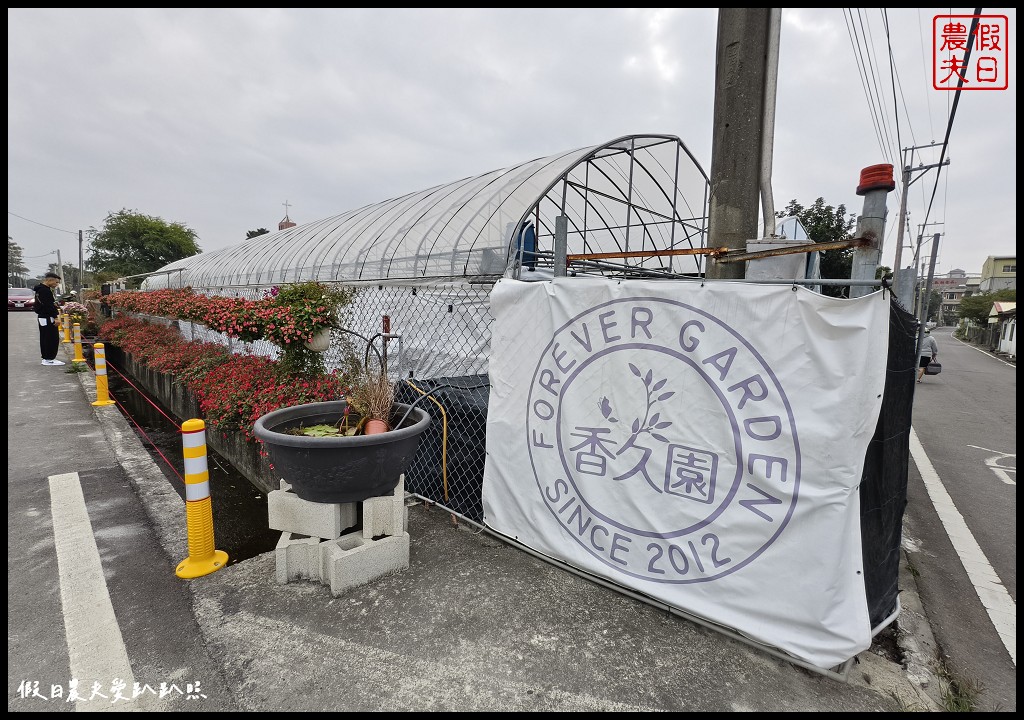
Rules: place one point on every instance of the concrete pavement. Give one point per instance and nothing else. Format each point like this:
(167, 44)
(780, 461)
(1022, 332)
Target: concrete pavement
(472, 624)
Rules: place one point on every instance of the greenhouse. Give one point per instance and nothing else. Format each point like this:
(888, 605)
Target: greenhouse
(425, 263)
(634, 194)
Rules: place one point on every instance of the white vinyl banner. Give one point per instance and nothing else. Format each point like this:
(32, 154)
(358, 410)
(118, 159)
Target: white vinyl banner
(701, 444)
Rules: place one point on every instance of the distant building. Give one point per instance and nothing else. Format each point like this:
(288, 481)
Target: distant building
(999, 273)
(1003, 317)
(952, 287)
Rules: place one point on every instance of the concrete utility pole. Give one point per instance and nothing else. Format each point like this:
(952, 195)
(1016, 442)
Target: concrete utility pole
(923, 311)
(876, 182)
(736, 149)
(81, 267)
(904, 279)
(60, 271)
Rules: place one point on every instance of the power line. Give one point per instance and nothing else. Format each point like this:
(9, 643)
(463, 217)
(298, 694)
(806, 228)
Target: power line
(862, 71)
(72, 232)
(952, 113)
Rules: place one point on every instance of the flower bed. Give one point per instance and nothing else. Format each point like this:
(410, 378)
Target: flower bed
(288, 316)
(233, 391)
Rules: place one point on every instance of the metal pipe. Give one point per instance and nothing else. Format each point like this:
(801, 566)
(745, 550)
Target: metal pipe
(771, 82)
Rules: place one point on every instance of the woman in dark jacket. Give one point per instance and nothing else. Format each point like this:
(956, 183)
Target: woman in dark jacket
(46, 314)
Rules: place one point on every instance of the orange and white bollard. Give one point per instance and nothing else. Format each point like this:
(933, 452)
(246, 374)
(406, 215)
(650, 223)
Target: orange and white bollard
(202, 558)
(78, 345)
(99, 356)
(65, 326)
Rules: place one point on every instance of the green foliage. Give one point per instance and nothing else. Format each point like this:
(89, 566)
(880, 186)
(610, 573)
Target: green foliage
(882, 271)
(256, 233)
(130, 243)
(825, 223)
(977, 307)
(16, 269)
(302, 307)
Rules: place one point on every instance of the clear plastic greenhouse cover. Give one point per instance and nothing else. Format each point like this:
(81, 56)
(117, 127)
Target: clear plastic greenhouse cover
(636, 193)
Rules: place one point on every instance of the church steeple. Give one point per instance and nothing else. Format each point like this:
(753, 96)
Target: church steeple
(287, 221)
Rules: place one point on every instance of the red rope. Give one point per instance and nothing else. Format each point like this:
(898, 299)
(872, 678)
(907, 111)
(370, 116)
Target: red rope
(143, 433)
(144, 396)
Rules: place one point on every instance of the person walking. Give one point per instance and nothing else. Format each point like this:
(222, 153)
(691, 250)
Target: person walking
(929, 352)
(46, 315)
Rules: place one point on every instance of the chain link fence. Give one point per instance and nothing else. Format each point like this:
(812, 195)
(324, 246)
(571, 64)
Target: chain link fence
(435, 339)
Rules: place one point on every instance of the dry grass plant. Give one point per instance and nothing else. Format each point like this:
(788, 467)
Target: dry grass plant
(380, 396)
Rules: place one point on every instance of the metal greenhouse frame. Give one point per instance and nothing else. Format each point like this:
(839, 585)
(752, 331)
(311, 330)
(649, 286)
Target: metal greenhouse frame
(426, 262)
(635, 194)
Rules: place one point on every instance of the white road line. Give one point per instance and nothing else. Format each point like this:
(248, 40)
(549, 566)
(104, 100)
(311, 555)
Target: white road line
(1003, 473)
(983, 352)
(95, 646)
(1001, 609)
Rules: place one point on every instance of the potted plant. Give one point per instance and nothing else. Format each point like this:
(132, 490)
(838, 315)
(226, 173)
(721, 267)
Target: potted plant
(335, 467)
(345, 450)
(78, 312)
(298, 318)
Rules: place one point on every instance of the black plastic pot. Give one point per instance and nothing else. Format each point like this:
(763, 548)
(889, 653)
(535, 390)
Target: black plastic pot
(338, 469)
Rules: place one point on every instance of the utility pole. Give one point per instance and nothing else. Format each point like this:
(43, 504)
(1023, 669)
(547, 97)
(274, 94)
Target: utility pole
(60, 271)
(876, 182)
(908, 180)
(738, 131)
(910, 293)
(923, 316)
(81, 267)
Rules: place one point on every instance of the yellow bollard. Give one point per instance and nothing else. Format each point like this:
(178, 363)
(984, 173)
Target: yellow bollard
(78, 345)
(99, 356)
(202, 558)
(65, 326)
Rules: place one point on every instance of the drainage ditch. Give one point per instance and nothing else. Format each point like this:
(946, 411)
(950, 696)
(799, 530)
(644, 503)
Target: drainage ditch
(239, 507)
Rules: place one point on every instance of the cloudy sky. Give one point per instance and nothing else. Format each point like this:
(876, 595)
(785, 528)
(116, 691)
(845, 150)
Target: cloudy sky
(215, 118)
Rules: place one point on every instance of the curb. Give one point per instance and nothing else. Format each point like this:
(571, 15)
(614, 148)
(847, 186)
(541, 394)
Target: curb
(915, 639)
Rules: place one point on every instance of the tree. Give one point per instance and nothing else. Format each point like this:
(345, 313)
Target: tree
(825, 223)
(70, 275)
(16, 269)
(256, 233)
(977, 307)
(130, 243)
(882, 271)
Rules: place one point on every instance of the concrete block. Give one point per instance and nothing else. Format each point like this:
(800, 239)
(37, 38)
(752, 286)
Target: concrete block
(287, 512)
(298, 558)
(352, 560)
(387, 514)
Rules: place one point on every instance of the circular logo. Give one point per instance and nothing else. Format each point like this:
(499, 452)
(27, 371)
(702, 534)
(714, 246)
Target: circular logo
(662, 441)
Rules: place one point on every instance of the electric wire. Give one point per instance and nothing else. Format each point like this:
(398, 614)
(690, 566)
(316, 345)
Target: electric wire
(952, 113)
(858, 56)
(71, 232)
(138, 427)
(887, 151)
(143, 395)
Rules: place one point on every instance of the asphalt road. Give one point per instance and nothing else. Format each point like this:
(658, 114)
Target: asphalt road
(960, 527)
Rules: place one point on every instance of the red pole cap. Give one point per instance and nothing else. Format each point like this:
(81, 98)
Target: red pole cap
(876, 177)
